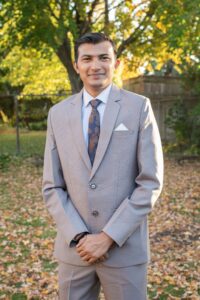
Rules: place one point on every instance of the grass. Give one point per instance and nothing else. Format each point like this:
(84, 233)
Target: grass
(48, 265)
(36, 222)
(19, 296)
(31, 143)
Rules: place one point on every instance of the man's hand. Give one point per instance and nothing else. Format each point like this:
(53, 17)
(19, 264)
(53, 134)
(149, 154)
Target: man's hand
(93, 247)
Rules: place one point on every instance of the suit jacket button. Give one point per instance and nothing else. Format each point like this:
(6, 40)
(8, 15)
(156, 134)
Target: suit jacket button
(93, 186)
(95, 213)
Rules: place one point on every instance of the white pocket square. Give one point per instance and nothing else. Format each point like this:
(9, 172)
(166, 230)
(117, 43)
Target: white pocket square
(121, 127)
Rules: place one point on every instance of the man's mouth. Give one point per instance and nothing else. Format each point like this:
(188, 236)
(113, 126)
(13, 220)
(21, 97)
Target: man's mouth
(97, 74)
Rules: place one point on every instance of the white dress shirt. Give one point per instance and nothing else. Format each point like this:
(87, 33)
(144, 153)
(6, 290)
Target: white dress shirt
(87, 108)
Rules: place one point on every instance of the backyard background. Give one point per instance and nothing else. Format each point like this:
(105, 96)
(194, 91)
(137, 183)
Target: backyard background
(158, 44)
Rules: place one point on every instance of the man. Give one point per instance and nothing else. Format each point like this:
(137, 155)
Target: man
(103, 172)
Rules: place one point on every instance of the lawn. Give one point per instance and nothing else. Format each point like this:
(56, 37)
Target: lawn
(31, 143)
(27, 232)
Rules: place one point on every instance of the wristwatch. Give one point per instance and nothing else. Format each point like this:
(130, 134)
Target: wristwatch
(79, 236)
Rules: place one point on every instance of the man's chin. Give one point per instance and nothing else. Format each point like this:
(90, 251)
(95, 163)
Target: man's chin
(100, 84)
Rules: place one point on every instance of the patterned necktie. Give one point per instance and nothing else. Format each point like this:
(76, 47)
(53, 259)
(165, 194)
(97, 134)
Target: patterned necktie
(93, 129)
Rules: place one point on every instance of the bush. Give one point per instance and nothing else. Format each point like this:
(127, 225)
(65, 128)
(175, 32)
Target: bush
(5, 159)
(38, 125)
(186, 125)
(195, 132)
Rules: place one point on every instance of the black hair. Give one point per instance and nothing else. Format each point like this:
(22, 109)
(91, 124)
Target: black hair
(92, 38)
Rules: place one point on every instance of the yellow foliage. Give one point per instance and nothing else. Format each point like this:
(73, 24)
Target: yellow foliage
(136, 65)
(131, 68)
(38, 75)
(3, 116)
(162, 27)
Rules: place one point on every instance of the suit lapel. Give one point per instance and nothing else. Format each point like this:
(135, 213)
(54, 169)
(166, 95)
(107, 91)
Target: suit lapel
(75, 117)
(109, 119)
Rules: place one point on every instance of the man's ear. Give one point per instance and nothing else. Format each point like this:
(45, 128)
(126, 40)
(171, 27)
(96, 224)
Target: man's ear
(117, 62)
(76, 67)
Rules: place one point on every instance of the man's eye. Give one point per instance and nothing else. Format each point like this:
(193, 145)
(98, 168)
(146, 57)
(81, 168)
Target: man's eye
(86, 59)
(105, 58)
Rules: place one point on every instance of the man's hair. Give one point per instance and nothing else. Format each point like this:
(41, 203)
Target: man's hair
(92, 38)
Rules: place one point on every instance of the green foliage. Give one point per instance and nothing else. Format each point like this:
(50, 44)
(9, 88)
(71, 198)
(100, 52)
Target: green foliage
(4, 161)
(7, 105)
(33, 113)
(38, 126)
(186, 125)
(186, 122)
(33, 73)
(191, 75)
(195, 118)
(140, 29)
(176, 120)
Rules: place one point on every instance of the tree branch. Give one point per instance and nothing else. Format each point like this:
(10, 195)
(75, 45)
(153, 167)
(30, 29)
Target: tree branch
(106, 21)
(52, 12)
(62, 4)
(133, 37)
(103, 12)
(84, 24)
(94, 4)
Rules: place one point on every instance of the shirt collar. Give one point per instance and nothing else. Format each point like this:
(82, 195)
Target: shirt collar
(103, 96)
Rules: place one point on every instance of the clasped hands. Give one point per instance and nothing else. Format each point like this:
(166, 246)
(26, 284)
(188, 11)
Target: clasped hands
(93, 247)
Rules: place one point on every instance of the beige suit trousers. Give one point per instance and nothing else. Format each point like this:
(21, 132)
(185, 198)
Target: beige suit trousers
(83, 283)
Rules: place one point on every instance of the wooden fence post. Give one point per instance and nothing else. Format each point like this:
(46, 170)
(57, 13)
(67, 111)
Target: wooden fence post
(17, 124)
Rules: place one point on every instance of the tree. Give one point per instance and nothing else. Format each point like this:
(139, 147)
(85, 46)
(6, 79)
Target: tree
(30, 73)
(138, 27)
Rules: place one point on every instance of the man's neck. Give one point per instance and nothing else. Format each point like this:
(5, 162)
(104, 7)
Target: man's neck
(95, 92)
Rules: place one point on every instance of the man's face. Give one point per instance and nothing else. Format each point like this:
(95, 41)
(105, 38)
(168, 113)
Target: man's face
(95, 65)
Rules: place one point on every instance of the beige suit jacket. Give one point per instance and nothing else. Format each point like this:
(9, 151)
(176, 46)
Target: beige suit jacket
(118, 192)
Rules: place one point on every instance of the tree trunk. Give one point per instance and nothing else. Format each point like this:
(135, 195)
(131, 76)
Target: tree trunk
(64, 54)
(106, 18)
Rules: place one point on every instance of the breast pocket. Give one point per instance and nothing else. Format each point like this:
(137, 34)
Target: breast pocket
(123, 133)
(123, 143)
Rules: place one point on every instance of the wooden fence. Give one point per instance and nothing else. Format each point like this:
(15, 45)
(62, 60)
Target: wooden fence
(163, 93)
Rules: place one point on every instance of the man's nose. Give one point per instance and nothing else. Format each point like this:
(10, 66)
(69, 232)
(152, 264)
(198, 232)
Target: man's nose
(95, 65)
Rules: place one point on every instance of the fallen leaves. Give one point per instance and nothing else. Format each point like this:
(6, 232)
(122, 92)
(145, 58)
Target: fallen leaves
(174, 234)
(26, 237)
(27, 233)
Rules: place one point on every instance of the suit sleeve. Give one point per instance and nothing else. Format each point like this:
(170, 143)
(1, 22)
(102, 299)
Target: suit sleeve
(134, 209)
(55, 193)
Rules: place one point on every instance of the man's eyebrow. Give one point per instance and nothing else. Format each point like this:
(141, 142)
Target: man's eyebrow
(103, 54)
(89, 55)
